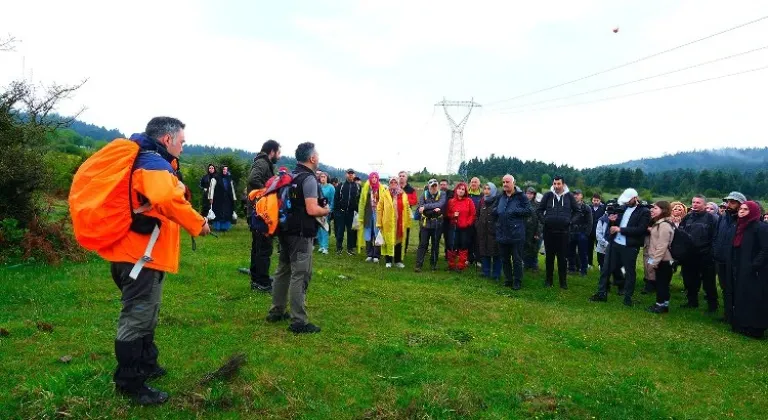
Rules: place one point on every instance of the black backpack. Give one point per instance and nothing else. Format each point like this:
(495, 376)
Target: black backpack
(682, 247)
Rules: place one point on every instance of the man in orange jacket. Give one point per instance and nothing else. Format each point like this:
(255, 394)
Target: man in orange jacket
(156, 186)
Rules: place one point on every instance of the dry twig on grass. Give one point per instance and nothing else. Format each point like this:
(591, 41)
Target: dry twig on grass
(226, 371)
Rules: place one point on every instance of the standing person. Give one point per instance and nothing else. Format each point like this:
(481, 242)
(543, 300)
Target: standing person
(393, 216)
(445, 188)
(461, 212)
(294, 269)
(511, 210)
(699, 269)
(659, 260)
(532, 234)
(475, 193)
(748, 270)
(366, 214)
(431, 208)
(205, 184)
(154, 183)
(485, 226)
(603, 234)
(262, 169)
(679, 210)
(713, 209)
(598, 210)
(581, 224)
(723, 244)
(328, 193)
(413, 199)
(346, 201)
(627, 236)
(556, 210)
(223, 198)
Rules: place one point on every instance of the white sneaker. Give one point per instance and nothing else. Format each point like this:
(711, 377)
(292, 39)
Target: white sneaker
(324, 251)
(389, 265)
(375, 260)
(400, 265)
(479, 265)
(590, 267)
(369, 259)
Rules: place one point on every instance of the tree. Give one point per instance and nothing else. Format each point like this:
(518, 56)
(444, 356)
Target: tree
(546, 180)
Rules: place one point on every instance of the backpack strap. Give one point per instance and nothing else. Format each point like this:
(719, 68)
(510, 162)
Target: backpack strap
(147, 257)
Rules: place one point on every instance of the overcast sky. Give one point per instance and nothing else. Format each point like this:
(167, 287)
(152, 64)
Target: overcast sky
(360, 78)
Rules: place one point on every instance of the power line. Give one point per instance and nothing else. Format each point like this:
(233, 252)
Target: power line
(642, 92)
(637, 80)
(631, 62)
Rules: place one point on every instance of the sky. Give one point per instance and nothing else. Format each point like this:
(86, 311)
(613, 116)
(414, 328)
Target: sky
(360, 78)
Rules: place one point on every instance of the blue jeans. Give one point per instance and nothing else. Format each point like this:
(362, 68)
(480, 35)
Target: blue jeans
(322, 238)
(491, 267)
(222, 226)
(579, 243)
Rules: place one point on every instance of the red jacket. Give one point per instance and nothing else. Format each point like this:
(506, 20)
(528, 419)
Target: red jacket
(465, 206)
(413, 199)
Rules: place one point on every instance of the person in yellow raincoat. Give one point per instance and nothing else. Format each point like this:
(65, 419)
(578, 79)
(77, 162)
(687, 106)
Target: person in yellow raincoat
(393, 216)
(370, 195)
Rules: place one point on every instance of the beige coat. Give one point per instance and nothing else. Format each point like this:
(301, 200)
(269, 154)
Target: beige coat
(658, 244)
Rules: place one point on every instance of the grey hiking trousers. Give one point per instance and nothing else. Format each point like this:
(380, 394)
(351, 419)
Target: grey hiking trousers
(294, 271)
(141, 301)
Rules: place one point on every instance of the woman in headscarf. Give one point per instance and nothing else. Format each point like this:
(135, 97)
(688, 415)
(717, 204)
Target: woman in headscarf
(393, 215)
(366, 213)
(222, 197)
(748, 267)
(713, 208)
(461, 214)
(205, 185)
(658, 262)
(328, 192)
(487, 248)
(678, 212)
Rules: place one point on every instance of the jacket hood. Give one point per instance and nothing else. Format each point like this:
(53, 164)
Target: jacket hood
(517, 190)
(565, 190)
(147, 143)
(466, 189)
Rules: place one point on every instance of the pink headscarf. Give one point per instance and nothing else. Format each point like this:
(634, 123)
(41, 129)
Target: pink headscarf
(374, 185)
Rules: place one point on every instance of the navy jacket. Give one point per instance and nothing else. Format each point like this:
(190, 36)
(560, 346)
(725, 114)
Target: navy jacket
(510, 217)
(723, 243)
(596, 215)
(702, 226)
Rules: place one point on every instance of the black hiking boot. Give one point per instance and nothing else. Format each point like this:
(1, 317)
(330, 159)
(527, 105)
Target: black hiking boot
(274, 317)
(256, 287)
(597, 297)
(658, 309)
(517, 285)
(307, 328)
(145, 395)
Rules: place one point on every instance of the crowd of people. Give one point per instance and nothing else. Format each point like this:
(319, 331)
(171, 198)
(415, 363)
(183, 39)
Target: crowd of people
(501, 231)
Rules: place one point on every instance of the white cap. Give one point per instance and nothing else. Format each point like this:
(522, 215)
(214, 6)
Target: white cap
(627, 195)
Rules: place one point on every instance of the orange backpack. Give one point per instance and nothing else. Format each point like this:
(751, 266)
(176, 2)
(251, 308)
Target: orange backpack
(99, 199)
(271, 204)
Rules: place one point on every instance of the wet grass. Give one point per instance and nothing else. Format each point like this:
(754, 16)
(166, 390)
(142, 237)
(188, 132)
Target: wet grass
(395, 344)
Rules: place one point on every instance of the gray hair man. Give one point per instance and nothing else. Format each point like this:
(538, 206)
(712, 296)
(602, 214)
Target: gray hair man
(511, 211)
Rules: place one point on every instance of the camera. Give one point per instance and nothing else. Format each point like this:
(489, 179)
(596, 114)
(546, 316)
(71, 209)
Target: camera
(322, 202)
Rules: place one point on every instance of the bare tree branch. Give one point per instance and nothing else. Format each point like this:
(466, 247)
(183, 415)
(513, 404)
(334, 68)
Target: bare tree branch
(39, 108)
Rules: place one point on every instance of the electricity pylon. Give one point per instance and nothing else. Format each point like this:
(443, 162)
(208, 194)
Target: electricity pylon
(456, 151)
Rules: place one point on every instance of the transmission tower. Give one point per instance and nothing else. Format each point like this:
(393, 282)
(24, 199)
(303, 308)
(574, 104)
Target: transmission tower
(456, 151)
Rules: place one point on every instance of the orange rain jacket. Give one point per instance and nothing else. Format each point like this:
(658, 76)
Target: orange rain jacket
(155, 181)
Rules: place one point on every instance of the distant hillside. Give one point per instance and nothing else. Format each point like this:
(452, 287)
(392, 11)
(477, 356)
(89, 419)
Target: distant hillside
(745, 160)
(83, 128)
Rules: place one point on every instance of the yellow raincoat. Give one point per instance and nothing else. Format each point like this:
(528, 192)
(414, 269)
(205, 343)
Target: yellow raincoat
(386, 221)
(365, 200)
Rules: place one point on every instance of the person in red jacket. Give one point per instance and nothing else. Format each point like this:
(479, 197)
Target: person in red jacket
(461, 213)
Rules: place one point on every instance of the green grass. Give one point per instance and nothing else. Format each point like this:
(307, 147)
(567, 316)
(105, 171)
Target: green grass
(394, 345)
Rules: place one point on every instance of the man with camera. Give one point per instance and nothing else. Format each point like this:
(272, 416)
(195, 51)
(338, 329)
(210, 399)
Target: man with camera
(628, 227)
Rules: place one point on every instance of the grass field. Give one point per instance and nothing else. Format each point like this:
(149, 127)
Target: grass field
(394, 345)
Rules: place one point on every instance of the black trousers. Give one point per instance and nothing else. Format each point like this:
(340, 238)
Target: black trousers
(425, 236)
(556, 244)
(697, 272)
(618, 256)
(618, 276)
(343, 224)
(663, 279)
(458, 239)
(722, 273)
(398, 255)
(512, 262)
(261, 256)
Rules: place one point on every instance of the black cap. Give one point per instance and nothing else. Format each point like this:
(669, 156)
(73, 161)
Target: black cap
(350, 171)
(577, 191)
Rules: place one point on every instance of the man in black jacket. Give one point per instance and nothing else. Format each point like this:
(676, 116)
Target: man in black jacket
(628, 230)
(556, 210)
(262, 169)
(726, 229)
(700, 268)
(598, 210)
(580, 226)
(345, 205)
